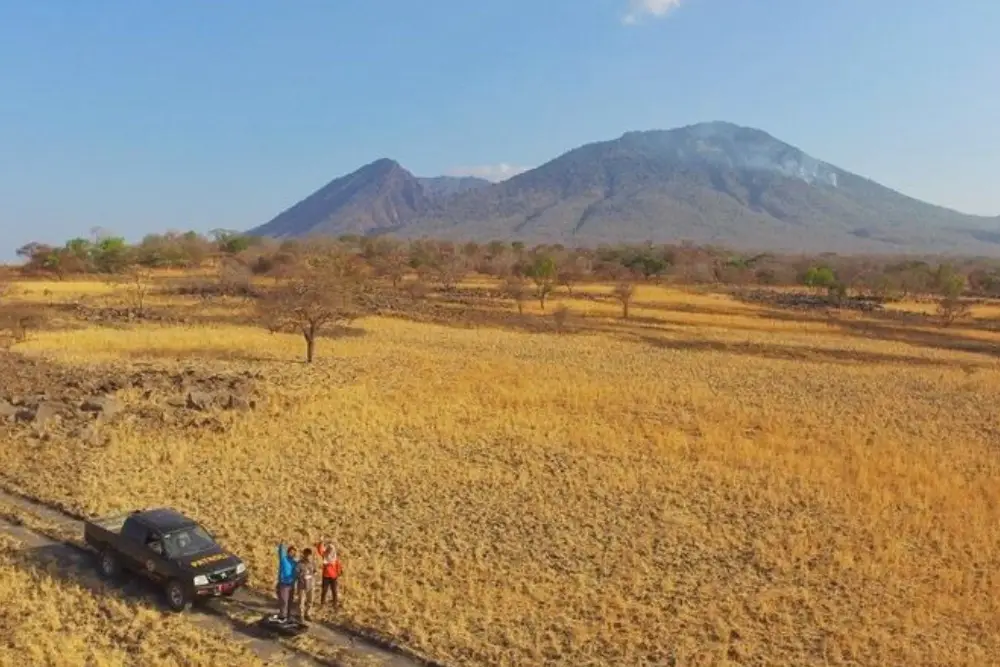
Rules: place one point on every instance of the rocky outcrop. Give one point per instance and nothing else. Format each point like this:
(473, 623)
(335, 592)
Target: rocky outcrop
(79, 404)
(800, 301)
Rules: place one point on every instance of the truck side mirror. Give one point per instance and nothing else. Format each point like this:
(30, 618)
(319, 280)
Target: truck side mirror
(157, 547)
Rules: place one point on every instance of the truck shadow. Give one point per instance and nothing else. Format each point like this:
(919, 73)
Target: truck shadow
(75, 565)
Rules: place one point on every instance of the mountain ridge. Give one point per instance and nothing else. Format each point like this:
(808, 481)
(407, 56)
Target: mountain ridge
(714, 182)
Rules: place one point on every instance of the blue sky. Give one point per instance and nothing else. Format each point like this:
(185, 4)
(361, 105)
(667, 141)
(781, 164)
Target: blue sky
(146, 115)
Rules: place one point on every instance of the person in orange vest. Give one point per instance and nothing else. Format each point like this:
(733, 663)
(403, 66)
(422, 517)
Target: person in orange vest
(331, 570)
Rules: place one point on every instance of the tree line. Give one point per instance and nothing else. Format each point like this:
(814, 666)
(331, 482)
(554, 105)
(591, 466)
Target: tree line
(548, 266)
(322, 282)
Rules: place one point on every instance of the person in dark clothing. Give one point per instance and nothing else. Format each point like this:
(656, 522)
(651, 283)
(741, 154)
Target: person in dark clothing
(287, 576)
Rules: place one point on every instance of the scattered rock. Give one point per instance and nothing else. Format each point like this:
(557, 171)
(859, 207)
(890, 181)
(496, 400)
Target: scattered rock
(46, 402)
(236, 402)
(112, 315)
(86, 434)
(199, 400)
(49, 411)
(103, 406)
(45, 413)
(151, 412)
(110, 386)
(226, 400)
(800, 301)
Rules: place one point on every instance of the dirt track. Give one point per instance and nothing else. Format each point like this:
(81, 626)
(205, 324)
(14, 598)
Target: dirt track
(78, 564)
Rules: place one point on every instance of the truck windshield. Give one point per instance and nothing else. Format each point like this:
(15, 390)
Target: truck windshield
(187, 542)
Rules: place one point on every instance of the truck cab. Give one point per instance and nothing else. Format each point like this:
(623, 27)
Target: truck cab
(170, 549)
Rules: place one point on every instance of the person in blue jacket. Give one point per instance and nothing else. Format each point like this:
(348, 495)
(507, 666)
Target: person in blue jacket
(287, 575)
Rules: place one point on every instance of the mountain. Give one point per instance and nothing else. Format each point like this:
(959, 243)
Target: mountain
(707, 183)
(439, 187)
(380, 195)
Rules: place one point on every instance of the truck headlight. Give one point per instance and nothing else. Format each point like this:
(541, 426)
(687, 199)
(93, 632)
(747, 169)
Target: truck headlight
(201, 580)
(241, 568)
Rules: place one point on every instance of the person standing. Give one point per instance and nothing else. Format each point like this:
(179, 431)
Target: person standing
(331, 570)
(306, 574)
(287, 575)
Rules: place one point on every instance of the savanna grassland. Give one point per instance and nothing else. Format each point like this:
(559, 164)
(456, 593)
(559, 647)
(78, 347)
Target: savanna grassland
(706, 483)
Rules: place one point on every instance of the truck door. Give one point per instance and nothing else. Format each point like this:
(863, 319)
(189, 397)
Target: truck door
(133, 534)
(155, 561)
(137, 549)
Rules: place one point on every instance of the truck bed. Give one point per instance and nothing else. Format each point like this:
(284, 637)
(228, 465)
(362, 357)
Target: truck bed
(111, 524)
(105, 530)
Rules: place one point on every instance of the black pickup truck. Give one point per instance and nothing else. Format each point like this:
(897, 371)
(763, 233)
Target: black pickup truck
(168, 548)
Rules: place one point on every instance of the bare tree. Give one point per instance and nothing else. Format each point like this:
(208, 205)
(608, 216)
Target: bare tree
(951, 307)
(389, 258)
(571, 273)
(623, 293)
(426, 273)
(323, 293)
(515, 288)
(417, 288)
(394, 265)
(451, 268)
(135, 285)
(235, 278)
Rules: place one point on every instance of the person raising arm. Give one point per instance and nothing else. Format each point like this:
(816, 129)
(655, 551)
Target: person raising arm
(287, 575)
(332, 570)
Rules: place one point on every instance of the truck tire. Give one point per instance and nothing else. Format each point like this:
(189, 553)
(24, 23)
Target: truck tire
(177, 597)
(110, 569)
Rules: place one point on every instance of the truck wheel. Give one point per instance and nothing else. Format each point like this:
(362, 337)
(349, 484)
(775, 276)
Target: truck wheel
(109, 565)
(177, 597)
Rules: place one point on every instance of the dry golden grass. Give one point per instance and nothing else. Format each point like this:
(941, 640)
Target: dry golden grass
(715, 489)
(49, 621)
(977, 311)
(56, 291)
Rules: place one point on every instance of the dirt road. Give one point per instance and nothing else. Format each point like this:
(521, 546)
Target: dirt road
(79, 564)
